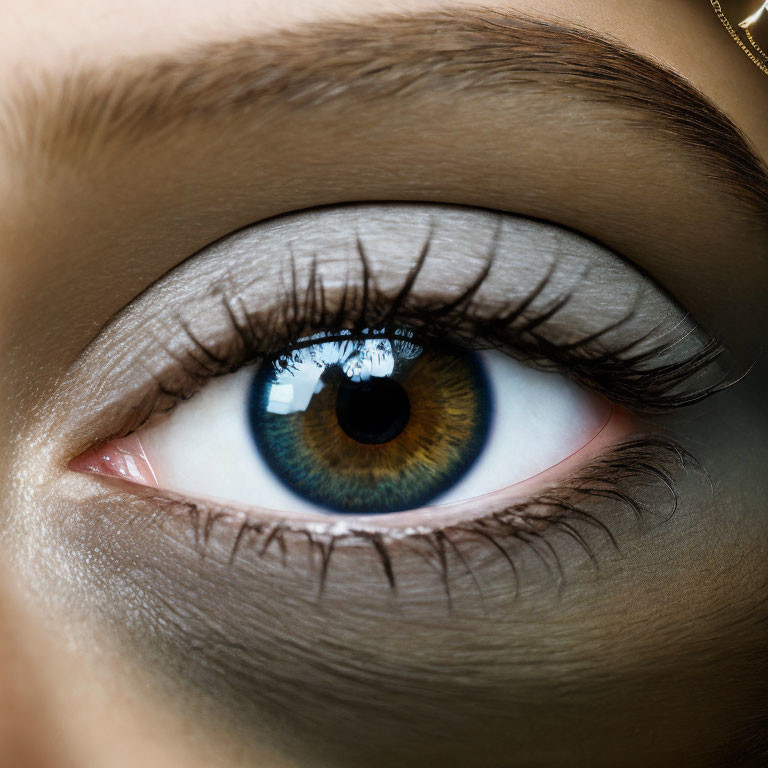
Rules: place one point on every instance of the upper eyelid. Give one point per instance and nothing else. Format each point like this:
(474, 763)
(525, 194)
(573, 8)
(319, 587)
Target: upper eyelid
(586, 350)
(192, 299)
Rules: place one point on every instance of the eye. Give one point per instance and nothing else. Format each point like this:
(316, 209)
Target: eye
(369, 424)
(402, 358)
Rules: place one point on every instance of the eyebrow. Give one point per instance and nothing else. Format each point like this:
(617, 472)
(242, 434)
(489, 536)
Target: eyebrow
(87, 113)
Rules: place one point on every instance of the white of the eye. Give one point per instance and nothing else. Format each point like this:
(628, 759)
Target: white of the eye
(538, 420)
(205, 447)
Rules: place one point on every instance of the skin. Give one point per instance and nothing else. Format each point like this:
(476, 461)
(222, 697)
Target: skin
(698, 590)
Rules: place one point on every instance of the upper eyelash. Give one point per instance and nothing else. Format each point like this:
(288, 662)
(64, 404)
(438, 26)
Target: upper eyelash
(623, 375)
(636, 463)
(630, 379)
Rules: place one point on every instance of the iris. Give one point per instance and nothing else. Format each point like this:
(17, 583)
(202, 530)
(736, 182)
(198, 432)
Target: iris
(370, 423)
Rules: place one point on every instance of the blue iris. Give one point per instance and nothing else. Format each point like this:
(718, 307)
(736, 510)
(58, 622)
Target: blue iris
(370, 424)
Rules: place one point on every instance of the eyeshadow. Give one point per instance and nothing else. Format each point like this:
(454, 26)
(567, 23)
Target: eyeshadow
(253, 293)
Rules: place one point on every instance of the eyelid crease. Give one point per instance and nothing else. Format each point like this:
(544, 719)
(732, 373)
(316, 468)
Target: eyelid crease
(521, 286)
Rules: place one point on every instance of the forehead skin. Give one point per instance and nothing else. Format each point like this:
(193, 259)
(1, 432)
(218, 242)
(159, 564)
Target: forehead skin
(78, 247)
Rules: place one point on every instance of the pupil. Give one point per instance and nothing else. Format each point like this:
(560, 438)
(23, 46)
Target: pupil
(373, 411)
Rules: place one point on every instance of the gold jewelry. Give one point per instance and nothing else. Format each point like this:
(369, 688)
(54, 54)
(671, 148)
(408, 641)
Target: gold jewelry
(754, 44)
(761, 58)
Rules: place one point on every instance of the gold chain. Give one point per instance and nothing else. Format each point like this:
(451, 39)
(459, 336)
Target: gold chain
(732, 32)
(755, 45)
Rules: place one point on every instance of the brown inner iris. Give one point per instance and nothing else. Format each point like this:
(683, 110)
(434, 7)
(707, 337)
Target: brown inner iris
(429, 435)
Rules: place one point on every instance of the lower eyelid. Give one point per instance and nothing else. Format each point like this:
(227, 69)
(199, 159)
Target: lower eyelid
(588, 501)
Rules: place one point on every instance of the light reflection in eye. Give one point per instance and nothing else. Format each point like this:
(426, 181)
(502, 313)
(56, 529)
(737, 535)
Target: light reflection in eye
(365, 424)
(297, 375)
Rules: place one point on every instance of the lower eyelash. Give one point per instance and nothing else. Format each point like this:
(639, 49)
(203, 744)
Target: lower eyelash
(625, 476)
(620, 475)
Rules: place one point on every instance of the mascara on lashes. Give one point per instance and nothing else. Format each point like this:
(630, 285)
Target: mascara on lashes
(642, 477)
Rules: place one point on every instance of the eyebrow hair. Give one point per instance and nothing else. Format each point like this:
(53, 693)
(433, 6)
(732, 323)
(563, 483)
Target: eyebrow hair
(82, 115)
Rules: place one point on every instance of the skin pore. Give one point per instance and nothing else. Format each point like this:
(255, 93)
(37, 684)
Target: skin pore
(667, 641)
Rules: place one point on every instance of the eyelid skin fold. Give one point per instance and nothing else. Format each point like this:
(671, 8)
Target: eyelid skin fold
(522, 286)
